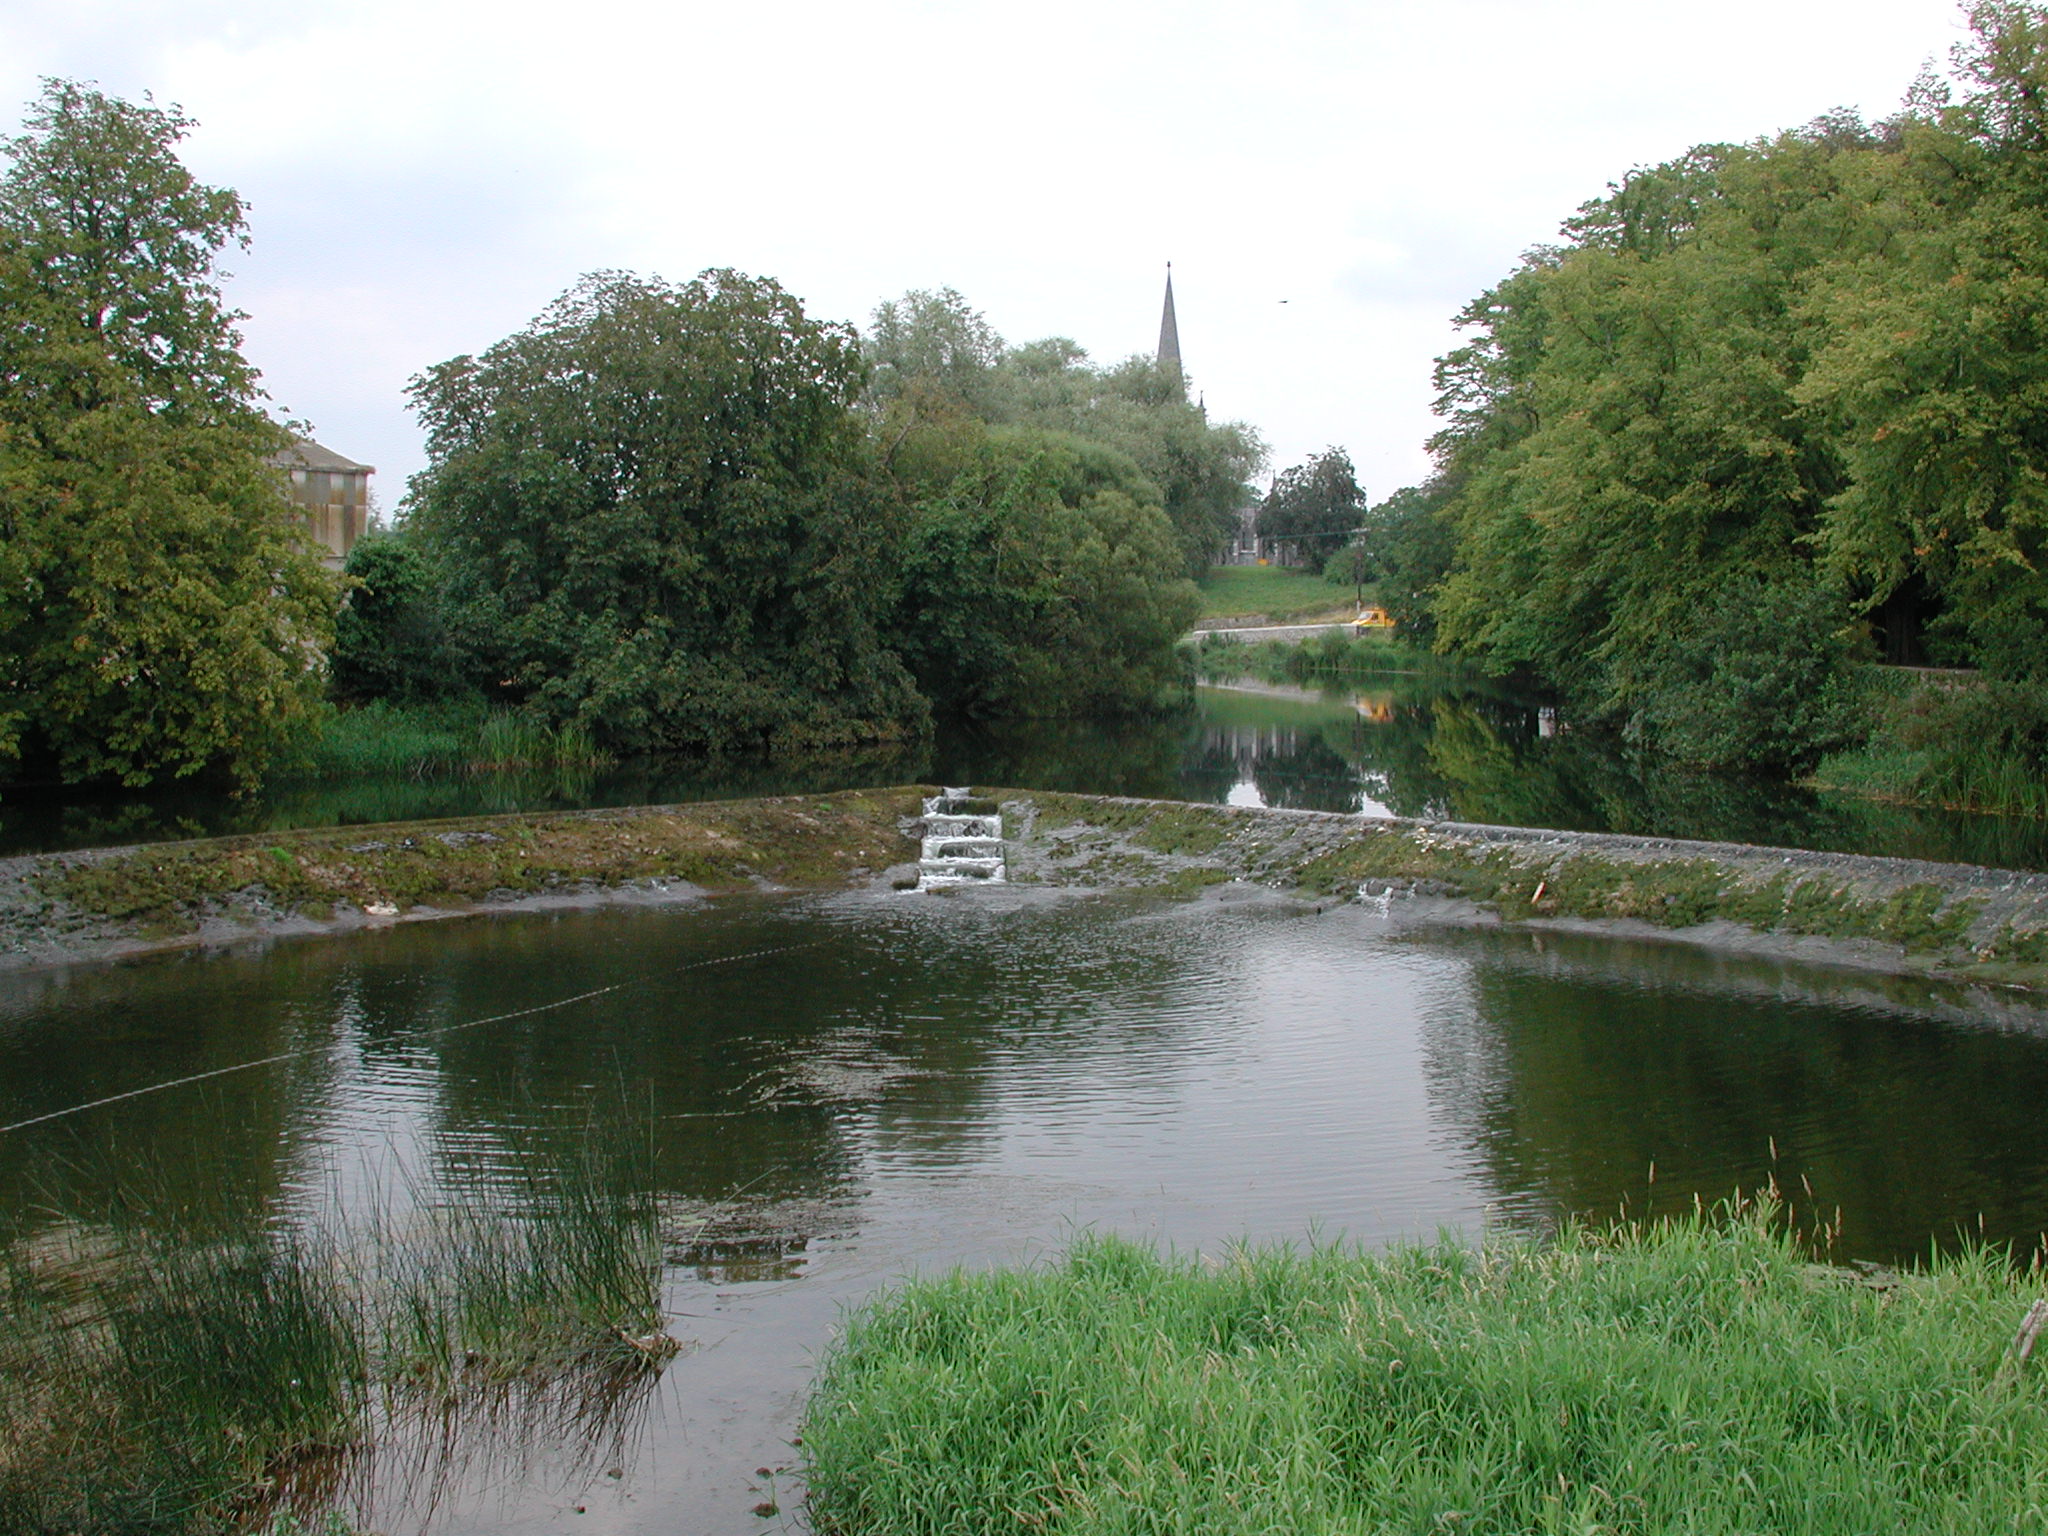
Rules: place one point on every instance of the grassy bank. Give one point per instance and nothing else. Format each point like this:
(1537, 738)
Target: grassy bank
(182, 1379)
(1947, 739)
(1701, 1377)
(1272, 593)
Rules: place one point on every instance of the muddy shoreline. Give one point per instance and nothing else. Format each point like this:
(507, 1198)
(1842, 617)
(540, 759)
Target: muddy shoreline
(1947, 922)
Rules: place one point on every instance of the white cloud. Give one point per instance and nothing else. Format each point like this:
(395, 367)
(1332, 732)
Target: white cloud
(423, 177)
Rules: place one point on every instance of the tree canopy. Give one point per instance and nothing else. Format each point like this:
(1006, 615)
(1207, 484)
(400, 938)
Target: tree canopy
(933, 355)
(160, 610)
(658, 518)
(1315, 506)
(1041, 575)
(1816, 362)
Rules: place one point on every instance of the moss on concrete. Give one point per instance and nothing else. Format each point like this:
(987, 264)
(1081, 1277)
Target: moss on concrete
(1964, 921)
(786, 841)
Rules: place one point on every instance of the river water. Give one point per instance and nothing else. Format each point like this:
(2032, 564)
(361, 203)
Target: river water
(846, 1089)
(1407, 745)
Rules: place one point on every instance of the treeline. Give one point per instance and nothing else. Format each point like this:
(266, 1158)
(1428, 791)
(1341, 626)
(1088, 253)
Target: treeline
(691, 516)
(159, 613)
(662, 516)
(1768, 410)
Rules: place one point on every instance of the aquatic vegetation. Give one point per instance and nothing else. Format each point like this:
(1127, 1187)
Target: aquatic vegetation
(1700, 1375)
(172, 1379)
(432, 740)
(1331, 657)
(155, 1383)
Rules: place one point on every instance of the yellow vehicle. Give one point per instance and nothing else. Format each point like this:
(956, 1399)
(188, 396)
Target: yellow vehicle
(1372, 617)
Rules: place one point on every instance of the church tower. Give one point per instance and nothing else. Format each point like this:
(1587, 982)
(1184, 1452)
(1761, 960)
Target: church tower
(1169, 337)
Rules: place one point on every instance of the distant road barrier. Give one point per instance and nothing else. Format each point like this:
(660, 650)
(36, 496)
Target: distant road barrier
(1271, 632)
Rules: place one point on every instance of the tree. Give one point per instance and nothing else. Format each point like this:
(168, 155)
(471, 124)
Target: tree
(1315, 506)
(660, 518)
(1932, 372)
(934, 356)
(933, 340)
(1409, 549)
(1041, 575)
(393, 638)
(160, 610)
(1202, 468)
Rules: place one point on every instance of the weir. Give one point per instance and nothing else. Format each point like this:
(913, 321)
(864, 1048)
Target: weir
(962, 846)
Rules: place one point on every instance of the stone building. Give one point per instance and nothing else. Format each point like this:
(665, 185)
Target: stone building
(332, 493)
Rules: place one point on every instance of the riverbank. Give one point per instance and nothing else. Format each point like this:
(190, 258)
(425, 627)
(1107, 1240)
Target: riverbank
(1699, 1375)
(1903, 916)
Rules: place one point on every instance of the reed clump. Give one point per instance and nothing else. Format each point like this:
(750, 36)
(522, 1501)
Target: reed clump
(159, 1384)
(445, 740)
(1697, 1375)
(182, 1382)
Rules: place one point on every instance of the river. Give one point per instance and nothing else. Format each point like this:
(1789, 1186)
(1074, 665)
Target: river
(1404, 745)
(872, 1084)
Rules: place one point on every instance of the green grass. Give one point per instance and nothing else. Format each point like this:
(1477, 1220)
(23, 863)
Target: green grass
(442, 739)
(1699, 1377)
(1880, 768)
(179, 1380)
(1961, 742)
(1278, 592)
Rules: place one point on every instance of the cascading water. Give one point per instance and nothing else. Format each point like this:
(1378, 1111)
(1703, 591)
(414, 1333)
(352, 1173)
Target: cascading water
(962, 846)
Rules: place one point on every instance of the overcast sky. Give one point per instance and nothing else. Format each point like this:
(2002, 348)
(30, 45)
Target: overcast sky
(424, 175)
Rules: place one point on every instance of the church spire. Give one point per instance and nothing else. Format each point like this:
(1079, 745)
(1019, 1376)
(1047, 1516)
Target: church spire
(1169, 336)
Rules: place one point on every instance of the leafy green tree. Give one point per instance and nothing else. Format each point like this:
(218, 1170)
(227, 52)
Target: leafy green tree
(1041, 576)
(1933, 372)
(1408, 549)
(1316, 506)
(660, 518)
(1203, 469)
(925, 342)
(1760, 680)
(934, 356)
(160, 610)
(1798, 377)
(394, 638)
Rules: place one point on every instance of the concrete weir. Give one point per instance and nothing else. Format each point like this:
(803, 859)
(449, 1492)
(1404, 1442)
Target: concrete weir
(1945, 921)
(963, 844)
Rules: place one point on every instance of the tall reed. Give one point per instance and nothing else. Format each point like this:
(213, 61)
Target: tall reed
(179, 1381)
(437, 740)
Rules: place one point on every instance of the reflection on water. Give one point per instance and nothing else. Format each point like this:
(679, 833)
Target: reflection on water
(1405, 746)
(844, 1089)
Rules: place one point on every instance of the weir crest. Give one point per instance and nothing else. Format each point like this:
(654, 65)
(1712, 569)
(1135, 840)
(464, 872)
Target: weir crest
(963, 844)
